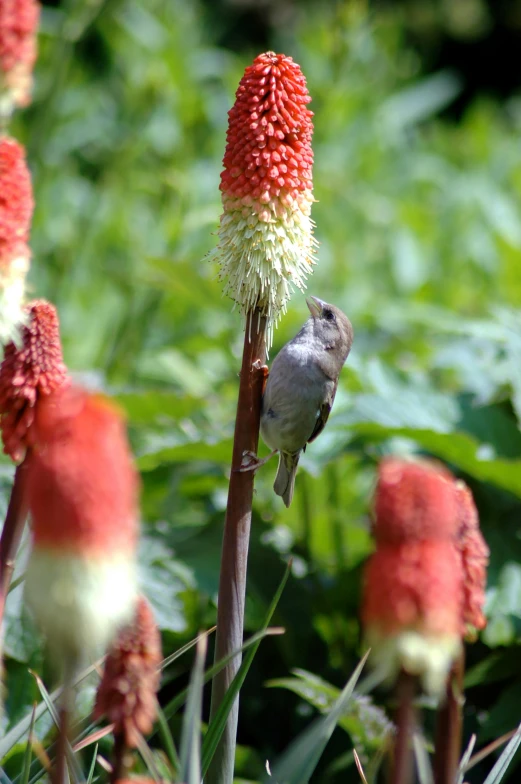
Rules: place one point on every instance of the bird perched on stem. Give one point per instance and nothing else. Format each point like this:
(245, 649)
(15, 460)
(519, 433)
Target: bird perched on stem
(300, 390)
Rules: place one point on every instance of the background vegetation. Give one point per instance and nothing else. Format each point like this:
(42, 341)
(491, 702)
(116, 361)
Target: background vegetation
(418, 187)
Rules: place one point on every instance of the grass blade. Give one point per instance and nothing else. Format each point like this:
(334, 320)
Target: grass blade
(190, 751)
(168, 741)
(173, 656)
(298, 763)
(500, 768)
(174, 704)
(28, 750)
(17, 732)
(92, 765)
(218, 723)
(71, 759)
(423, 765)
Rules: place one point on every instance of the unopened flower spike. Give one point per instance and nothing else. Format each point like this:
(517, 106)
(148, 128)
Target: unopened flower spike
(266, 233)
(16, 209)
(29, 372)
(18, 26)
(127, 693)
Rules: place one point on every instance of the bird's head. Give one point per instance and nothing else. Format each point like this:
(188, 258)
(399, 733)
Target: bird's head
(331, 327)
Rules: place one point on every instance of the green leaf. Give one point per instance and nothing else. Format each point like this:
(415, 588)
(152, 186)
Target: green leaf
(189, 754)
(298, 763)
(501, 766)
(218, 723)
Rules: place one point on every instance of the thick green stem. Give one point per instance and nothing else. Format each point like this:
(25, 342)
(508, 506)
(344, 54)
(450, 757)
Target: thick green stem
(234, 557)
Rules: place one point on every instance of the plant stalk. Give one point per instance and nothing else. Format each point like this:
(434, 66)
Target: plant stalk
(234, 556)
(119, 767)
(60, 775)
(12, 531)
(402, 767)
(447, 747)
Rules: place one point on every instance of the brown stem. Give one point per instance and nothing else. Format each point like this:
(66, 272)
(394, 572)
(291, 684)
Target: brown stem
(12, 531)
(119, 768)
(60, 775)
(447, 747)
(234, 556)
(402, 768)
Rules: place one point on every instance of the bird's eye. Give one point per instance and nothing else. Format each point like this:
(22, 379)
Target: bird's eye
(329, 315)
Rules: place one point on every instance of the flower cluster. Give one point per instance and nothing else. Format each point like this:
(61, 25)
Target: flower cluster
(127, 692)
(16, 208)
(424, 585)
(82, 491)
(27, 373)
(18, 24)
(266, 233)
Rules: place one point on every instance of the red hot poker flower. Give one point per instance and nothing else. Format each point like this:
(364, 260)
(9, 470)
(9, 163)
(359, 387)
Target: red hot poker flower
(414, 500)
(474, 554)
(16, 209)
(424, 586)
(18, 26)
(27, 373)
(266, 233)
(83, 497)
(127, 692)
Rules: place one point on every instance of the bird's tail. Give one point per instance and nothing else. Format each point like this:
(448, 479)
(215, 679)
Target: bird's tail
(285, 479)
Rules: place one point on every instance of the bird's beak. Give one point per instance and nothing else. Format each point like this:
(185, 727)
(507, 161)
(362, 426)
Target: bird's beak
(315, 306)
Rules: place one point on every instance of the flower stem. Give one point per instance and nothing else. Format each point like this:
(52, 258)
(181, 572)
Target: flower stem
(119, 767)
(447, 747)
(12, 531)
(60, 775)
(234, 556)
(402, 768)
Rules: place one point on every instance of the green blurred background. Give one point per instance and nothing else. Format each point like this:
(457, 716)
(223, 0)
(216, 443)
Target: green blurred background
(418, 186)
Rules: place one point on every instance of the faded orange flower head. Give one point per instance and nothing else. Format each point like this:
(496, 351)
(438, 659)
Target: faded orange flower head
(16, 209)
(127, 692)
(424, 586)
(18, 27)
(266, 233)
(82, 491)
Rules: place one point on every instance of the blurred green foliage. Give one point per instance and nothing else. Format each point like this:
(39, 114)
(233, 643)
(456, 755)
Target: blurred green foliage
(420, 243)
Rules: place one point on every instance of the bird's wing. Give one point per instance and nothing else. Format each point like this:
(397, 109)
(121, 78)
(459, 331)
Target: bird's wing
(323, 413)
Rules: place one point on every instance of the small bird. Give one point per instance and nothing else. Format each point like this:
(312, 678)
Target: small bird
(301, 388)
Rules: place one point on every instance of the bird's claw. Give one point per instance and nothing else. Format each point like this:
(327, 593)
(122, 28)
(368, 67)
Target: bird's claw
(249, 462)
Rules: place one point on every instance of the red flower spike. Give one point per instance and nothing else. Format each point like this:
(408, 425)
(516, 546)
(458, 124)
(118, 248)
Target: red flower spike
(268, 157)
(425, 584)
(127, 692)
(411, 611)
(414, 585)
(82, 483)
(27, 374)
(414, 500)
(18, 26)
(82, 491)
(16, 208)
(266, 243)
(474, 554)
